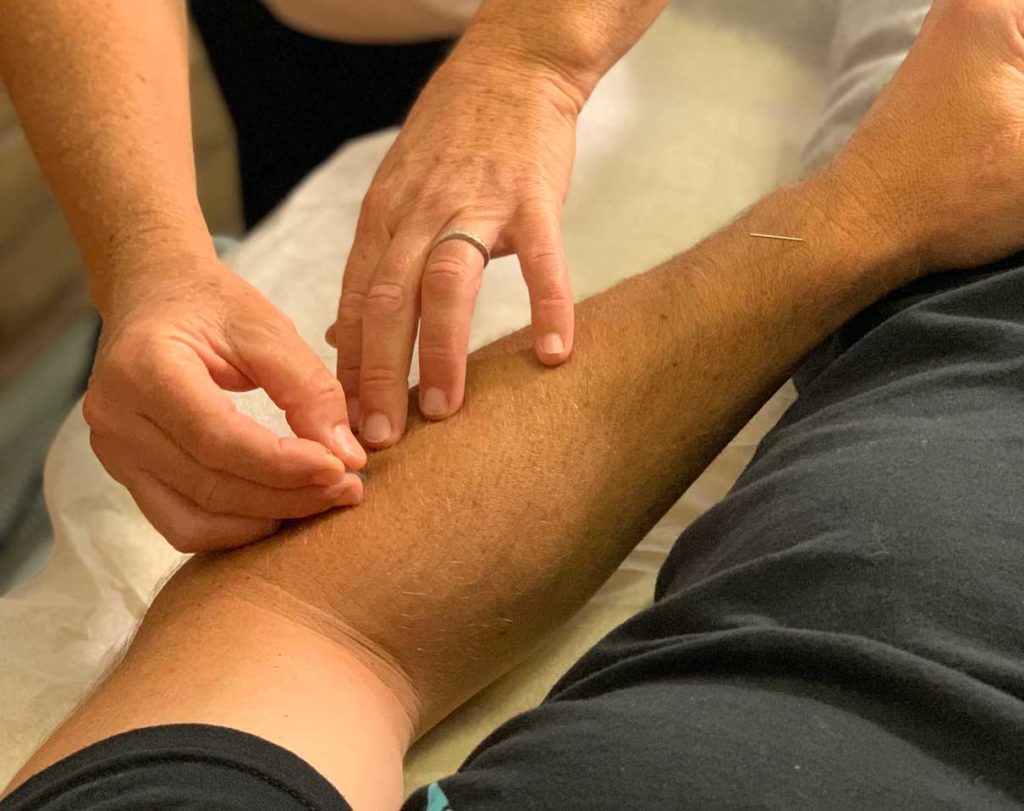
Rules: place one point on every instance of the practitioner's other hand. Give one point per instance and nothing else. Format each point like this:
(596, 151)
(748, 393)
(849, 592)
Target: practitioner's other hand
(942, 151)
(174, 338)
(488, 148)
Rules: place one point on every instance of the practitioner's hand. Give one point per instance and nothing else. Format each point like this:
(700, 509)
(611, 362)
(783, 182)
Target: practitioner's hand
(942, 150)
(488, 148)
(205, 475)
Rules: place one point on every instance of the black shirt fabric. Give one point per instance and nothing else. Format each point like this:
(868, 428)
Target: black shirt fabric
(845, 630)
(181, 766)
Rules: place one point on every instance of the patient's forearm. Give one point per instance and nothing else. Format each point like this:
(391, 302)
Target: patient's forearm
(480, 533)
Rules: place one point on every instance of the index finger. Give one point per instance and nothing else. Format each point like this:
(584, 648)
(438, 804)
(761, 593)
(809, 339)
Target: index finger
(389, 333)
(347, 333)
(203, 421)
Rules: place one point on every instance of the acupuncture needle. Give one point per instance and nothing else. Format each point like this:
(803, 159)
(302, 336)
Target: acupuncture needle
(776, 236)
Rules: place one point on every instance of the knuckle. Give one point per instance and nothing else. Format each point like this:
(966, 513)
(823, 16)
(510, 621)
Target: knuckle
(92, 410)
(121, 358)
(370, 205)
(285, 326)
(131, 367)
(280, 329)
(386, 298)
(327, 388)
(253, 332)
(549, 290)
(552, 298)
(376, 378)
(309, 381)
(437, 353)
(347, 371)
(547, 256)
(445, 275)
(350, 308)
(320, 389)
(376, 198)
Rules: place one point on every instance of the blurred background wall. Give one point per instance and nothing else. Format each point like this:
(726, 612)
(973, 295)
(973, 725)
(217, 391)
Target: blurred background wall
(47, 326)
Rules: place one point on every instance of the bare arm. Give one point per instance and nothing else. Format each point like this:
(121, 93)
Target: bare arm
(481, 533)
(488, 148)
(344, 637)
(101, 87)
(579, 40)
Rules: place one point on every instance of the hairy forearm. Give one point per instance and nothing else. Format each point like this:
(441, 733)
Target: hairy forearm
(480, 533)
(576, 41)
(101, 87)
(351, 633)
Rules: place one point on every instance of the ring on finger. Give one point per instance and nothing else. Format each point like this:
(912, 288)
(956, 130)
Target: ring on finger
(466, 236)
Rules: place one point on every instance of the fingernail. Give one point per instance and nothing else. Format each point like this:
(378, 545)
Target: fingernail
(551, 344)
(434, 403)
(349, 444)
(354, 412)
(376, 428)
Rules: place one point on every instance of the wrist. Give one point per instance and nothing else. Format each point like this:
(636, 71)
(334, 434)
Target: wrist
(491, 69)
(860, 210)
(842, 218)
(572, 44)
(147, 261)
(518, 58)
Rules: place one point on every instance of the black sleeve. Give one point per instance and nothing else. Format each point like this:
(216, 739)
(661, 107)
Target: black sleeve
(180, 766)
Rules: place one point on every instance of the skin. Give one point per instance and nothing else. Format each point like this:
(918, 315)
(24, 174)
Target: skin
(387, 617)
(351, 634)
(101, 88)
(489, 148)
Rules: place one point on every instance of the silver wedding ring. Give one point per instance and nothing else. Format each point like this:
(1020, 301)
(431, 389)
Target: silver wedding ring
(465, 236)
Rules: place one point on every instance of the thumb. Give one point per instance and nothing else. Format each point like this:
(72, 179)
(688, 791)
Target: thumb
(313, 401)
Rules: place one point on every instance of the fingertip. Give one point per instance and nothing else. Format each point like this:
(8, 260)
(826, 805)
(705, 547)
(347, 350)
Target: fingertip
(551, 349)
(353, 492)
(348, 448)
(434, 403)
(378, 430)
